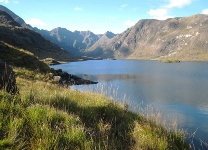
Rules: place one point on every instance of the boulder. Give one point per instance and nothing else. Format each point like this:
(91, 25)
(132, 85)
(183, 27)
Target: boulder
(57, 78)
(7, 78)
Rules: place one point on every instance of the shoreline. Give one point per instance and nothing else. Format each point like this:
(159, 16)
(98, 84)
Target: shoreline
(78, 60)
(66, 79)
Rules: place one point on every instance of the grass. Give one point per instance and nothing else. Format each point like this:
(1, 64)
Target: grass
(18, 49)
(45, 116)
(21, 58)
(33, 75)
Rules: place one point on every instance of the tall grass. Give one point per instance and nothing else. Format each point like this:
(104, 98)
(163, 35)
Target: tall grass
(153, 132)
(45, 116)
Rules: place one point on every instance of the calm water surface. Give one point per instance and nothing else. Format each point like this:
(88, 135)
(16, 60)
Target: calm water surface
(178, 90)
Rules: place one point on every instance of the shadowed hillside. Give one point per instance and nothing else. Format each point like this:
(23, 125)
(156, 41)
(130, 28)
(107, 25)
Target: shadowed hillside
(21, 58)
(15, 17)
(22, 38)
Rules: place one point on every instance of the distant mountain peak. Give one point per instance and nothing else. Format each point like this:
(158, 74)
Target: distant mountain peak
(60, 29)
(109, 34)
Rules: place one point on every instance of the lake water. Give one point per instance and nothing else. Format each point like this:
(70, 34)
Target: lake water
(179, 91)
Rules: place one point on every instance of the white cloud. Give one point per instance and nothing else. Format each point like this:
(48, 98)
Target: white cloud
(162, 12)
(178, 3)
(129, 23)
(36, 22)
(124, 5)
(159, 13)
(205, 11)
(78, 9)
(4, 1)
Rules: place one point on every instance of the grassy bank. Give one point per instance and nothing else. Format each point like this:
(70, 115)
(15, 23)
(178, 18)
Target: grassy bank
(46, 116)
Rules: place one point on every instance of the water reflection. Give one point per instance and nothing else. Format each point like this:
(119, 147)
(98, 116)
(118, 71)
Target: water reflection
(111, 77)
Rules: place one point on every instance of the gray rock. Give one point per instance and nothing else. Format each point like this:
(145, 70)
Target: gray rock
(7, 78)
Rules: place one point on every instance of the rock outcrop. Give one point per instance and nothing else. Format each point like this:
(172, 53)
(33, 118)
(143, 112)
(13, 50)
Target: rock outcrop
(66, 79)
(7, 78)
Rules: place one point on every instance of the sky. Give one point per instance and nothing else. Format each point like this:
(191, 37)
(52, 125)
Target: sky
(100, 16)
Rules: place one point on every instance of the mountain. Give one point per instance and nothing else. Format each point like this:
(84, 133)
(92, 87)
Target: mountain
(110, 34)
(181, 38)
(96, 50)
(23, 39)
(75, 43)
(15, 17)
(6, 19)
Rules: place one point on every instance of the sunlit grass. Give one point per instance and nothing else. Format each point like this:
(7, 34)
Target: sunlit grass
(32, 75)
(46, 116)
(16, 48)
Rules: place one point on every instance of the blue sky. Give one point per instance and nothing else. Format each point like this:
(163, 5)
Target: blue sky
(100, 16)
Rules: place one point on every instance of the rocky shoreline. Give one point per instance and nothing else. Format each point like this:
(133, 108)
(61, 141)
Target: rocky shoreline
(66, 79)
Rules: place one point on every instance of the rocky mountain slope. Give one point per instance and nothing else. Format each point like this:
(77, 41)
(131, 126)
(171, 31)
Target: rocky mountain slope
(75, 43)
(96, 50)
(179, 38)
(176, 38)
(13, 35)
(6, 19)
(15, 17)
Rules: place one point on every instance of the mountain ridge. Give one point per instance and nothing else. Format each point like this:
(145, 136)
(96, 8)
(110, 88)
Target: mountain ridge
(13, 35)
(75, 43)
(7, 19)
(15, 17)
(182, 38)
